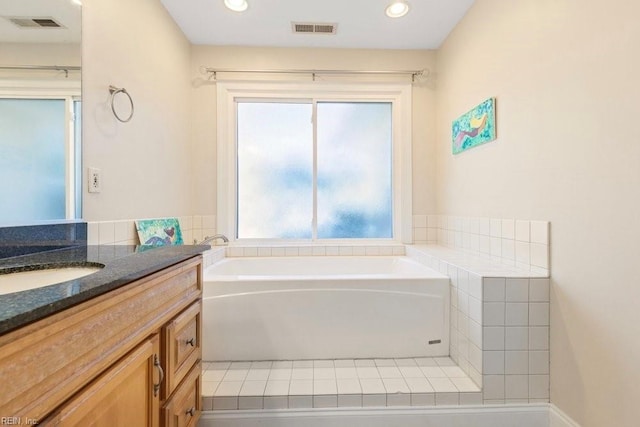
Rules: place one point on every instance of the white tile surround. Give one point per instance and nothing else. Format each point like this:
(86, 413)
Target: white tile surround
(499, 329)
(499, 273)
(520, 243)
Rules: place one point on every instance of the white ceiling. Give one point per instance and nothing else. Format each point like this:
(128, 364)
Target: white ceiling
(361, 23)
(65, 12)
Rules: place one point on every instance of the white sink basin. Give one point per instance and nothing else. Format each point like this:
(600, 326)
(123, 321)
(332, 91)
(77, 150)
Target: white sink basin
(25, 280)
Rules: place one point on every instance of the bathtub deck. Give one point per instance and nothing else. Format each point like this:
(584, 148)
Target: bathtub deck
(336, 383)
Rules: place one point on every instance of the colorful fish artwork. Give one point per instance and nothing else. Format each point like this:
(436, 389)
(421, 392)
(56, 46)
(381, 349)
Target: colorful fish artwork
(159, 232)
(475, 127)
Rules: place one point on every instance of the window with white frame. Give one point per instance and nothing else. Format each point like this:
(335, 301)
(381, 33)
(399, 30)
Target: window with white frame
(309, 163)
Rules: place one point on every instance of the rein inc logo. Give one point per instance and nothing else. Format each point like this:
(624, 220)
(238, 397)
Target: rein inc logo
(16, 421)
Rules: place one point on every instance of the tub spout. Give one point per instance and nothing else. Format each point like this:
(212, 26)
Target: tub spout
(211, 239)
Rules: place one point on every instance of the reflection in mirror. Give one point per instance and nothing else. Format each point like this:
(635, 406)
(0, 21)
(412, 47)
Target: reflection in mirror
(40, 122)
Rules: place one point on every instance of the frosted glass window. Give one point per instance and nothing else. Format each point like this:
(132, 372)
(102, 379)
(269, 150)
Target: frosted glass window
(354, 170)
(275, 170)
(32, 160)
(352, 182)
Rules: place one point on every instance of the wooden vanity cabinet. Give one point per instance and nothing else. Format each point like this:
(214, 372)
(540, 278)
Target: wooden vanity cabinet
(131, 357)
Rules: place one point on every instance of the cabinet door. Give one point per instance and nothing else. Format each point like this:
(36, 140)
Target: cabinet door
(127, 394)
(181, 346)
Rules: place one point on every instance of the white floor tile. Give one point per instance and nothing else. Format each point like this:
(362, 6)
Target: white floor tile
(323, 364)
(411, 372)
(389, 372)
(218, 365)
(433, 372)
(209, 387)
(344, 383)
(368, 372)
(443, 385)
(213, 375)
(261, 365)
(240, 365)
(405, 362)
(280, 374)
(228, 388)
(235, 375)
(277, 388)
(465, 385)
(419, 385)
(372, 386)
(301, 388)
(325, 387)
(257, 375)
(426, 361)
(253, 388)
(453, 372)
(302, 374)
(324, 373)
(445, 361)
(282, 364)
(395, 385)
(346, 373)
(344, 363)
(349, 386)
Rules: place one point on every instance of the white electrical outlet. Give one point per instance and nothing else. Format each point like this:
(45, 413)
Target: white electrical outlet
(95, 180)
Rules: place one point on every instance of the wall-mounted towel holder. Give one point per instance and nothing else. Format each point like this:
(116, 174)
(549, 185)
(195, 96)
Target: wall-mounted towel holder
(114, 91)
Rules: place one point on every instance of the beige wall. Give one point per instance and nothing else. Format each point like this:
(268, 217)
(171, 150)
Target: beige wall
(565, 75)
(145, 163)
(204, 105)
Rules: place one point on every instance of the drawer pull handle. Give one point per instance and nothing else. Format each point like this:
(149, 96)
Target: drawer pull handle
(156, 363)
(191, 412)
(191, 342)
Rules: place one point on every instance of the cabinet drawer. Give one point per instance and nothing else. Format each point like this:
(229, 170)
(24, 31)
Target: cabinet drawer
(182, 345)
(184, 407)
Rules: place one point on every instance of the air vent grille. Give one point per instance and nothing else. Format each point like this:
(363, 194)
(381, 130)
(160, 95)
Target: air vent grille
(39, 22)
(313, 28)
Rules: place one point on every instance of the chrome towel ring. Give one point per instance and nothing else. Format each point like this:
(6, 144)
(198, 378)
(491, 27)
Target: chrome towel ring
(114, 91)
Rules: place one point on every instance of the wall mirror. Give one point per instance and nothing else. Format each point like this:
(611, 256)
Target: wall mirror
(40, 111)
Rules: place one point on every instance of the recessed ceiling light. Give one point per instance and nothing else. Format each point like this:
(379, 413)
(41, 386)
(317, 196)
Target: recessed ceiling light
(78, 2)
(236, 5)
(397, 8)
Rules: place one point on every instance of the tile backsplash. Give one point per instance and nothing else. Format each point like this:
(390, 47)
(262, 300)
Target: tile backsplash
(521, 243)
(123, 232)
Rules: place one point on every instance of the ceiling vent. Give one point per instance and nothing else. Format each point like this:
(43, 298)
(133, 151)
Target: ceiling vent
(39, 22)
(313, 28)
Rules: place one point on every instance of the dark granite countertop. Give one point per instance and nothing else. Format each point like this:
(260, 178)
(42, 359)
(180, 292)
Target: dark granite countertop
(122, 265)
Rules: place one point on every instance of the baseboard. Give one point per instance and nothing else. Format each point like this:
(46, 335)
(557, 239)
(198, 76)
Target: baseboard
(533, 415)
(557, 418)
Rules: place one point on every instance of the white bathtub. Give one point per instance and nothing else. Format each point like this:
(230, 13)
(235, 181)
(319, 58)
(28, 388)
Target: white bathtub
(284, 308)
